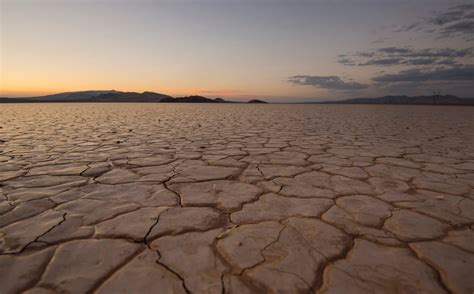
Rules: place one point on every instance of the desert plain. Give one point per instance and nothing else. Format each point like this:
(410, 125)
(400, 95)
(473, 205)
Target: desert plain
(200, 198)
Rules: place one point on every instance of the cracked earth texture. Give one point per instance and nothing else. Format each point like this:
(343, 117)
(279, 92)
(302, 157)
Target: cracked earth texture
(137, 198)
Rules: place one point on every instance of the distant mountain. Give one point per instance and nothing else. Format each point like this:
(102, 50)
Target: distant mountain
(117, 96)
(130, 97)
(92, 96)
(256, 101)
(406, 100)
(71, 95)
(112, 96)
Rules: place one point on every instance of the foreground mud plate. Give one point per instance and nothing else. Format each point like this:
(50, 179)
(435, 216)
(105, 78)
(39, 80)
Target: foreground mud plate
(235, 199)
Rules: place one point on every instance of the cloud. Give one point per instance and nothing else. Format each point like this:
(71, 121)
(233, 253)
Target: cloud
(347, 61)
(326, 82)
(453, 14)
(394, 50)
(444, 52)
(455, 79)
(388, 56)
(382, 61)
(421, 70)
(447, 62)
(364, 54)
(411, 27)
(465, 27)
(457, 21)
(421, 61)
(457, 73)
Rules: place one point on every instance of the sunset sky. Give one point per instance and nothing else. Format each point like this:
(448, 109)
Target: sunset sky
(277, 50)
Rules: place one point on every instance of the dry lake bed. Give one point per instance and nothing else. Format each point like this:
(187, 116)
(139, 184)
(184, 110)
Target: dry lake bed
(176, 198)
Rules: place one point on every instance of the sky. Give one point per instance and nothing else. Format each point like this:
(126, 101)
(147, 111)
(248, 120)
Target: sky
(292, 50)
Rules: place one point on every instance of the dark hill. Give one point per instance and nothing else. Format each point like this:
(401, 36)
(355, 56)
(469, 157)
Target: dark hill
(194, 99)
(256, 101)
(71, 96)
(129, 97)
(92, 96)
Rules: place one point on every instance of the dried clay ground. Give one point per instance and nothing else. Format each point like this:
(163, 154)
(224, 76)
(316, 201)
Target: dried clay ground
(150, 198)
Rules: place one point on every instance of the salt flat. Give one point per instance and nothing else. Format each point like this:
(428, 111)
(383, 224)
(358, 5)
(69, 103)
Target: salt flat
(176, 198)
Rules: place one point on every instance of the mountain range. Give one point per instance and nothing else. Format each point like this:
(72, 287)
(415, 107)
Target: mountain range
(406, 100)
(115, 96)
(118, 96)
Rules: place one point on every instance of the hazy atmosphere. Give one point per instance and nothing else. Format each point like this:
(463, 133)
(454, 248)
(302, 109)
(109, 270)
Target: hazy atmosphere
(276, 50)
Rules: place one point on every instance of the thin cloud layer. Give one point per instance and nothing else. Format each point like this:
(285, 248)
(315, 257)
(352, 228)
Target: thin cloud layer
(407, 69)
(405, 56)
(326, 82)
(457, 21)
(460, 73)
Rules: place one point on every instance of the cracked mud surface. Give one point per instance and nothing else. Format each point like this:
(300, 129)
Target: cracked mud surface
(193, 198)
